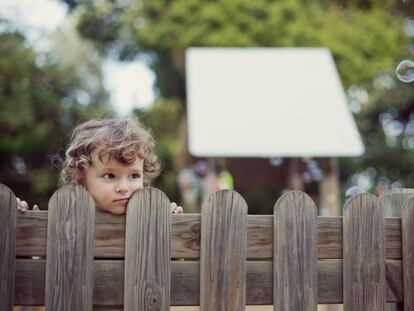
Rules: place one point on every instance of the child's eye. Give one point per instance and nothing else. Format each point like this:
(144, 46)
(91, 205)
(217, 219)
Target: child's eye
(108, 176)
(135, 176)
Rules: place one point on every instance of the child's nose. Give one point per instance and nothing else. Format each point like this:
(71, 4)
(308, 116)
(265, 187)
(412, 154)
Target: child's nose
(122, 186)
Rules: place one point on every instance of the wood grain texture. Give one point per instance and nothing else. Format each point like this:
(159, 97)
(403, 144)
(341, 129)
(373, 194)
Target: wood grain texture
(294, 257)
(185, 236)
(364, 254)
(8, 211)
(392, 203)
(223, 252)
(407, 222)
(70, 244)
(108, 282)
(394, 200)
(147, 252)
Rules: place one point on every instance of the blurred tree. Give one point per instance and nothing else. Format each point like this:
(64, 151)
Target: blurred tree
(363, 41)
(162, 117)
(367, 37)
(83, 60)
(384, 110)
(42, 99)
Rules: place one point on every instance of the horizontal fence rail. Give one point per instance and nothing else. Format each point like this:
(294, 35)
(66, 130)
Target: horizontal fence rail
(221, 259)
(31, 236)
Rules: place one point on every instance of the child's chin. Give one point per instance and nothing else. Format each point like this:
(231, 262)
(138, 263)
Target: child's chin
(118, 210)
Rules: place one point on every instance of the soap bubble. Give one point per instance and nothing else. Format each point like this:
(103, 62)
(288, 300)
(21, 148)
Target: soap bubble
(405, 71)
(276, 161)
(393, 128)
(353, 190)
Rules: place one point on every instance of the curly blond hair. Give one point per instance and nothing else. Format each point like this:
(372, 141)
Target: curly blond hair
(121, 139)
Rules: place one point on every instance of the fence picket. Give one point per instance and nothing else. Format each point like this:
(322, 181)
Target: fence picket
(364, 254)
(70, 244)
(392, 203)
(295, 253)
(147, 252)
(8, 211)
(223, 252)
(407, 223)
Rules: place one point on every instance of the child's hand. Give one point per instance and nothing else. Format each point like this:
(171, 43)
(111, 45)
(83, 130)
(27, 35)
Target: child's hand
(176, 209)
(22, 206)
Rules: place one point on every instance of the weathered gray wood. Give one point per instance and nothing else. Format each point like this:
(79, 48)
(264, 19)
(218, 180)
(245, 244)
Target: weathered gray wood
(8, 211)
(392, 203)
(185, 236)
(407, 223)
(294, 256)
(69, 271)
(364, 254)
(185, 279)
(223, 252)
(394, 200)
(147, 252)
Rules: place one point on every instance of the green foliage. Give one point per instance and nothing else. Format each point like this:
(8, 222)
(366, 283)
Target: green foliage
(363, 41)
(162, 117)
(41, 101)
(367, 38)
(386, 123)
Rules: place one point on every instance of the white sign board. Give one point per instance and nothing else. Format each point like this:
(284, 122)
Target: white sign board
(267, 102)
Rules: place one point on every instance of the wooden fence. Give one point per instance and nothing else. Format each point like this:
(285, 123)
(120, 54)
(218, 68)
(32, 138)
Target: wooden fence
(222, 259)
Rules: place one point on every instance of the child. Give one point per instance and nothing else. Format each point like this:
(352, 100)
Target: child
(111, 158)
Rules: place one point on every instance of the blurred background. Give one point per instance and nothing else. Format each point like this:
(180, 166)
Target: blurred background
(63, 62)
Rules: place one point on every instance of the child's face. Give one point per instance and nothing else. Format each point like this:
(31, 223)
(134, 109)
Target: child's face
(111, 184)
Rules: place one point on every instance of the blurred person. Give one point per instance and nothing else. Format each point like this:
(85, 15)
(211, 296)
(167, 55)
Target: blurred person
(224, 178)
(189, 188)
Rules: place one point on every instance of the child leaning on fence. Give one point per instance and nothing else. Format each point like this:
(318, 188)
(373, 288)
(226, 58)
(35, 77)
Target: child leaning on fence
(111, 158)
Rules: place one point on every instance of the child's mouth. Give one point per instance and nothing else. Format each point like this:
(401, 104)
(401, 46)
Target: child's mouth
(122, 201)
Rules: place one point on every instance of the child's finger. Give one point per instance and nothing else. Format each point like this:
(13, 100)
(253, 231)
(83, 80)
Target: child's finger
(24, 206)
(173, 206)
(18, 203)
(178, 210)
(36, 208)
